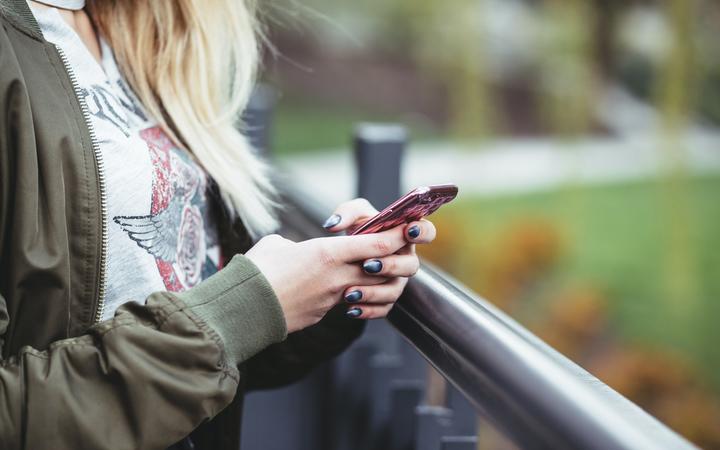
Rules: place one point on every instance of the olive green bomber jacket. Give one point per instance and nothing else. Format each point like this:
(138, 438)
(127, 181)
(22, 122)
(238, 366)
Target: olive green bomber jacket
(156, 371)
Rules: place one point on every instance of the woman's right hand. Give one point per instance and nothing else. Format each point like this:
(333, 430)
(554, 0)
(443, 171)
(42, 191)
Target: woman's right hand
(310, 277)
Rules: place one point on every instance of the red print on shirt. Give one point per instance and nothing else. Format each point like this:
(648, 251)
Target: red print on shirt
(174, 232)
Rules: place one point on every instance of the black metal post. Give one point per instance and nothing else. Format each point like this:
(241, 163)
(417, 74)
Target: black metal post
(459, 443)
(404, 398)
(433, 422)
(379, 150)
(257, 119)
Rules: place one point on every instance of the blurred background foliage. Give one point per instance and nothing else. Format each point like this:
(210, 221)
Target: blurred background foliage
(623, 275)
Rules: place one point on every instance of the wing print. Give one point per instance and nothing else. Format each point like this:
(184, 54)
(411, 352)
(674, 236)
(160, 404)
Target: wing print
(158, 234)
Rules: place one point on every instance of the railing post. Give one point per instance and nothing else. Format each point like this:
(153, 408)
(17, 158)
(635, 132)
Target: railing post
(465, 422)
(379, 150)
(383, 370)
(393, 382)
(459, 443)
(404, 398)
(432, 423)
(349, 409)
(257, 119)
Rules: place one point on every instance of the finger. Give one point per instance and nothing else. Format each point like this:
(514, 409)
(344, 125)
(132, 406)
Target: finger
(369, 311)
(420, 232)
(348, 214)
(409, 249)
(379, 293)
(354, 275)
(392, 266)
(361, 247)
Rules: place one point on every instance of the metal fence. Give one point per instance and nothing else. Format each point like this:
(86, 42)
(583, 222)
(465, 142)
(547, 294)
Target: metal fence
(380, 394)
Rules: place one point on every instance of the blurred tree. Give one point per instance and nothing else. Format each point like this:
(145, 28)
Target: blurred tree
(569, 74)
(605, 13)
(446, 39)
(675, 97)
(708, 60)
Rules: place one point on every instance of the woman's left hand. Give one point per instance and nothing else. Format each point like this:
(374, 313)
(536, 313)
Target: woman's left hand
(375, 301)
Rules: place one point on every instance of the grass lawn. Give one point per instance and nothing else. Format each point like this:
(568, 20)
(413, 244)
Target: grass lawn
(303, 125)
(656, 261)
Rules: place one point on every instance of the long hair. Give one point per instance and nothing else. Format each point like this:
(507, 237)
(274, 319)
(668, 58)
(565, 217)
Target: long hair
(192, 64)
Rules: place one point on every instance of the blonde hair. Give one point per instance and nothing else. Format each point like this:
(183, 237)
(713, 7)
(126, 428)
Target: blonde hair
(192, 64)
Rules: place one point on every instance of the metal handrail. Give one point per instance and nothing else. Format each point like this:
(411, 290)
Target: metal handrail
(535, 395)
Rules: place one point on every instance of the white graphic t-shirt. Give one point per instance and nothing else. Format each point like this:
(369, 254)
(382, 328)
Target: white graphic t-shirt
(161, 233)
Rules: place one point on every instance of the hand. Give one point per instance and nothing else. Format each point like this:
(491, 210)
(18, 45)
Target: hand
(310, 277)
(376, 300)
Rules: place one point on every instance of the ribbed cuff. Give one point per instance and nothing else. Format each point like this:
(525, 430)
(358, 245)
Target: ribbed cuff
(241, 306)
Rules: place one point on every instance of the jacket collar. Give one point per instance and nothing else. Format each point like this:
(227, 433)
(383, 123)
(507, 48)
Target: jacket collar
(18, 12)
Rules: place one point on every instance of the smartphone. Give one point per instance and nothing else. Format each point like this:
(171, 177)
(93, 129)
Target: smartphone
(416, 204)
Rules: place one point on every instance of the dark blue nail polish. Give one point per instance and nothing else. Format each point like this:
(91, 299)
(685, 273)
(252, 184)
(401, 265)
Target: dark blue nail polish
(414, 231)
(332, 221)
(353, 296)
(354, 312)
(372, 266)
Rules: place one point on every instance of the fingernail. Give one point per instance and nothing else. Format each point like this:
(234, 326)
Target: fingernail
(414, 231)
(353, 296)
(332, 221)
(372, 266)
(354, 312)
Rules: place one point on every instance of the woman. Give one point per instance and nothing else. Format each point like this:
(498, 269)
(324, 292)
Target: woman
(132, 307)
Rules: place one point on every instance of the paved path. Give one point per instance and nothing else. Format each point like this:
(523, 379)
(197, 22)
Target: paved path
(515, 165)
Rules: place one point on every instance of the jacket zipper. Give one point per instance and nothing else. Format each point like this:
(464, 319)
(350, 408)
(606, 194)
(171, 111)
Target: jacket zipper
(100, 166)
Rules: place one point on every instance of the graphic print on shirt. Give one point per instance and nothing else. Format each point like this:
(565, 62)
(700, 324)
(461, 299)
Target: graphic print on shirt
(105, 106)
(174, 232)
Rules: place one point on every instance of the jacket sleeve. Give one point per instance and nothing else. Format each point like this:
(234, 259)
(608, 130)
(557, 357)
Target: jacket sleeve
(289, 360)
(142, 380)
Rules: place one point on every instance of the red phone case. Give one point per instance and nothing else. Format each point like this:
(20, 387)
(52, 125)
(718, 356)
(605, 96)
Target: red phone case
(415, 205)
